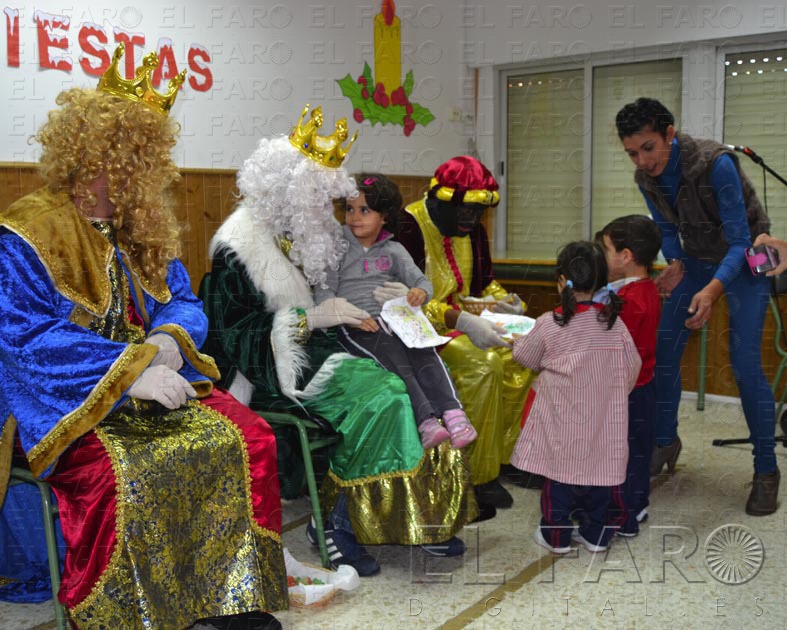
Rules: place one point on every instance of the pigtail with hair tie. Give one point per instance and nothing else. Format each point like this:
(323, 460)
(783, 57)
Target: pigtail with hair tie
(568, 304)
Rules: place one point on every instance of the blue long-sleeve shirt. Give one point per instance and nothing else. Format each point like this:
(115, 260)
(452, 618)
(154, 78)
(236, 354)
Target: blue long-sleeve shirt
(732, 212)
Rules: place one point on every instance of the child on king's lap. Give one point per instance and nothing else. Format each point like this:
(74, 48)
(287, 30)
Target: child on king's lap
(576, 433)
(631, 244)
(374, 261)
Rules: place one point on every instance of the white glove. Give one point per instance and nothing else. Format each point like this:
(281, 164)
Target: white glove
(510, 305)
(389, 291)
(168, 351)
(334, 312)
(483, 333)
(163, 385)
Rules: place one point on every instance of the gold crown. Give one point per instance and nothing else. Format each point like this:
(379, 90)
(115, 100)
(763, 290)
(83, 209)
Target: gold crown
(140, 89)
(325, 150)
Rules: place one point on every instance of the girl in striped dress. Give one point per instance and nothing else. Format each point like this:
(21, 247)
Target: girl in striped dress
(576, 433)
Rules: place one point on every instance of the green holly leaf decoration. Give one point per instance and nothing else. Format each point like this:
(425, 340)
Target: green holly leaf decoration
(367, 74)
(408, 83)
(379, 107)
(421, 115)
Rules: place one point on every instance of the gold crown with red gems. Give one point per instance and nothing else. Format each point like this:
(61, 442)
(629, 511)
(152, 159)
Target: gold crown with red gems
(325, 150)
(140, 89)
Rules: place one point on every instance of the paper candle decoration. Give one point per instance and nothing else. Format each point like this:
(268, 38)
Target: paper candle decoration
(388, 47)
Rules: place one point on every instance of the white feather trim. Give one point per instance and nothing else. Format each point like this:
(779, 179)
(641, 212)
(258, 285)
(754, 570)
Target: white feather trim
(290, 356)
(270, 271)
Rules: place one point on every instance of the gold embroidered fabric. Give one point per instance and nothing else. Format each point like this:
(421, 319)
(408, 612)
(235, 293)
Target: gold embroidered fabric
(187, 542)
(442, 472)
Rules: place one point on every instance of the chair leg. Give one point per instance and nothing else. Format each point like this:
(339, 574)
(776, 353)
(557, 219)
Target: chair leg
(51, 548)
(311, 483)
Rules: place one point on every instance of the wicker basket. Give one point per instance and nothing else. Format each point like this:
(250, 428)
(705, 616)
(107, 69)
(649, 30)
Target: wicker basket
(476, 306)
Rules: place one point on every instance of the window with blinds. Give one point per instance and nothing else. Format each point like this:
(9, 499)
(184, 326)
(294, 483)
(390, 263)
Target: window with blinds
(613, 192)
(545, 157)
(548, 140)
(755, 116)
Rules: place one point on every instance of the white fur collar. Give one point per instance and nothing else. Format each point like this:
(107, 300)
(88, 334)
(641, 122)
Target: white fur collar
(270, 271)
(284, 287)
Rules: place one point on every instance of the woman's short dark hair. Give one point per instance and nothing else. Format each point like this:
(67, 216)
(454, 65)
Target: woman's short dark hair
(641, 115)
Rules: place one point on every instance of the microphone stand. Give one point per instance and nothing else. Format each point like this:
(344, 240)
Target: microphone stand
(758, 160)
(778, 286)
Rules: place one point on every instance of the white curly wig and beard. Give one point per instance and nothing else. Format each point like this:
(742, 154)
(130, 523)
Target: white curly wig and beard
(291, 195)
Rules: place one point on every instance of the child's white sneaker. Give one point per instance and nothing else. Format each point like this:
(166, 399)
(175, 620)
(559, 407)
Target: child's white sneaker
(577, 537)
(540, 540)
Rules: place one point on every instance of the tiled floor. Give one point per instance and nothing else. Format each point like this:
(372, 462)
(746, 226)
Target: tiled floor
(699, 562)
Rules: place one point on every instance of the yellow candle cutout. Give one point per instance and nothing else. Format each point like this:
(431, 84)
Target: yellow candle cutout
(388, 48)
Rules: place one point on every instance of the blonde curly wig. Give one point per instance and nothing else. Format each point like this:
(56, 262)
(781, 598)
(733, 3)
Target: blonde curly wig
(94, 133)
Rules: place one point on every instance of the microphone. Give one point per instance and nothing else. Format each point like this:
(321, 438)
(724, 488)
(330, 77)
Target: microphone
(745, 150)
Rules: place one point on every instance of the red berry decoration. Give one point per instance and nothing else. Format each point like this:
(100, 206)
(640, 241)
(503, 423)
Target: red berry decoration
(380, 97)
(365, 93)
(362, 80)
(358, 115)
(409, 125)
(398, 97)
(408, 108)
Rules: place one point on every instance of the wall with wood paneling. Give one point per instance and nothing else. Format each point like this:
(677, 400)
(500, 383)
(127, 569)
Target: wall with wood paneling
(206, 197)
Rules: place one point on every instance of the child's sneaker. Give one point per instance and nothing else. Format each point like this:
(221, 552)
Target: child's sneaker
(540, 540)
(642, 516)
(577, 537)
(461, 431)
(343, 548)
(432, 433)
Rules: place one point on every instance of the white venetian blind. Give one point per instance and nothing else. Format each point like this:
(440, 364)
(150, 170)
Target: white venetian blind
(755, 116)
(544, 194)
(613, 191)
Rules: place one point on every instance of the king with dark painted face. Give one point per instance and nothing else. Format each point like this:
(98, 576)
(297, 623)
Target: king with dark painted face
(452, 219)
(444, 235)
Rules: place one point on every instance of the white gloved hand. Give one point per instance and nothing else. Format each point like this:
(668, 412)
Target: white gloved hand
(163, 385)
(168, 353)
(483, 333)
(389, 291)
(510, 305)
(334, 312)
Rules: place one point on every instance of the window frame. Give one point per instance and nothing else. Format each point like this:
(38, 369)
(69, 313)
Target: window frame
(698, 61)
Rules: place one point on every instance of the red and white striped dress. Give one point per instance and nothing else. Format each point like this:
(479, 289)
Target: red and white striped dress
(578, 426)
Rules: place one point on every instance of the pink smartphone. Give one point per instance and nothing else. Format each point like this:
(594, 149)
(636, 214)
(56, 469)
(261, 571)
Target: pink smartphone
(761, 259)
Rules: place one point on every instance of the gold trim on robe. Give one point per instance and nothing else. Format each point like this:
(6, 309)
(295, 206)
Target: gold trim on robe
(124, 371)
(75, 255)
(6, 454)
(441, 472)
